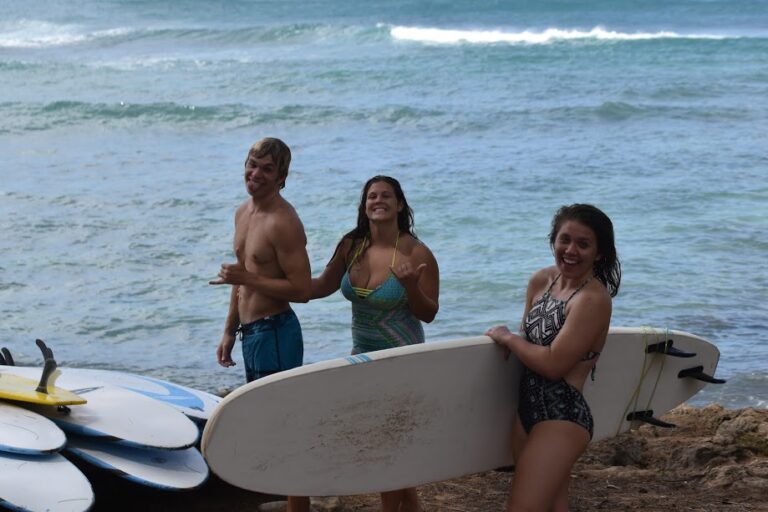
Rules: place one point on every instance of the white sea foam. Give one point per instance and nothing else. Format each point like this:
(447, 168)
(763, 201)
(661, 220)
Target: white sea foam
(42, 34)
(445, 36)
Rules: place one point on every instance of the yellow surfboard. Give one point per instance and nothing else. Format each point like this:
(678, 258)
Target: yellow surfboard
(21, 389)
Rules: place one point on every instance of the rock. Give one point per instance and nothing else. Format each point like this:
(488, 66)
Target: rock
(702, 454)
(747, 421)
(273, 506)
(324, 504)
(630, 452)
(753, 476)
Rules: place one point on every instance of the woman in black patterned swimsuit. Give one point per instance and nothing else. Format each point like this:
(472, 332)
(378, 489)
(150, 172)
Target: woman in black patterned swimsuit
(565, 323)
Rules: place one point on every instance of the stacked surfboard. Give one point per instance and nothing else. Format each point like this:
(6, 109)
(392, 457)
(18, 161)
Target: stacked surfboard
(140, 428)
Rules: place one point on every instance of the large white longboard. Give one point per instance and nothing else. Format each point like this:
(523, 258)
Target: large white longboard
(423, 413)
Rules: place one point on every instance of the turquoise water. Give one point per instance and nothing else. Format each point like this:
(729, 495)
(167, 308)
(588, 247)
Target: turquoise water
(124, 125)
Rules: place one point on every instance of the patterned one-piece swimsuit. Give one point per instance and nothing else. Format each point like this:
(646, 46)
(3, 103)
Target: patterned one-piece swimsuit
(542, 399)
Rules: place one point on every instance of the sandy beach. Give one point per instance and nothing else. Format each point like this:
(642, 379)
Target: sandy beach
(714, 460)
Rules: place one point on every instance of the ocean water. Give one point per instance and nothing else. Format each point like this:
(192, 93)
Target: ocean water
(124, 126)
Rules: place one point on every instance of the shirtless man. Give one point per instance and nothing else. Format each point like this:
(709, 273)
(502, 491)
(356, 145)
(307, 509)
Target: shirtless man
(272, 270)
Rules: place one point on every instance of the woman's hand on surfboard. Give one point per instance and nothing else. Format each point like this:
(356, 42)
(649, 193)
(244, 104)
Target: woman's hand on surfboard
(500, 334)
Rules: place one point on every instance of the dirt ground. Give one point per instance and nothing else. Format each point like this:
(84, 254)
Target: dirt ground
(715, 460)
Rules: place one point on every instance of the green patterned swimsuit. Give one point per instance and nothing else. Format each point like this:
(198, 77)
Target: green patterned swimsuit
(380, 317)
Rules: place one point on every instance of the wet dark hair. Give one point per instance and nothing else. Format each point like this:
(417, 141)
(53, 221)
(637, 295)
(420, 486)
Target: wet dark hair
(277, 149)
(608, 268)
(363, 228)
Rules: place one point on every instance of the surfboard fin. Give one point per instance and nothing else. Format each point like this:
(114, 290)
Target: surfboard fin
(49, 369)
(666, 348)
(7, 358)
(647, 417)
(697, 372)
(47, 352)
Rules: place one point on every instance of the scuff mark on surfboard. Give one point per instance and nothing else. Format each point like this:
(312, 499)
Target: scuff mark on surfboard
(366, 432)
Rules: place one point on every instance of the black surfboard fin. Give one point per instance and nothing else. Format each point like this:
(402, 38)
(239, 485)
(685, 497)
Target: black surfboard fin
(49, 368)
(7, 357)
(647, 417)
(2, 360)
(667, 348)
(47, 352)
(697, 372)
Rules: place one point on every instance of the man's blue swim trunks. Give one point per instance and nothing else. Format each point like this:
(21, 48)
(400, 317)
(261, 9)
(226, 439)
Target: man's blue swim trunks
(272, 344)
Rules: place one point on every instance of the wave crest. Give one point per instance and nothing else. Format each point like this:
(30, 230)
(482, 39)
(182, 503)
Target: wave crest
(550, 35)
(34, 34)
(42, 34)
(45, 116)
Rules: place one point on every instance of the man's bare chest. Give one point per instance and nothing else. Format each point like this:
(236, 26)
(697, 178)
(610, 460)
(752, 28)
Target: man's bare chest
(253, 245)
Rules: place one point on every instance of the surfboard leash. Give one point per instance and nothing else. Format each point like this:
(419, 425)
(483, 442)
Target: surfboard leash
(636, 393)
(661, 368)
(646, 368)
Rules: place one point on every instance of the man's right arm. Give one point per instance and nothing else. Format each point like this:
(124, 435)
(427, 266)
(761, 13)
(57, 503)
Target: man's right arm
(224, 350)
(232, 322)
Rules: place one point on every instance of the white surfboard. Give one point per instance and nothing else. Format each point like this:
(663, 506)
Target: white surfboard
(43, 483)
(177, 470)
(366, 423)
(195, 403)
(423, 413)
(116, 414)
(25, 432)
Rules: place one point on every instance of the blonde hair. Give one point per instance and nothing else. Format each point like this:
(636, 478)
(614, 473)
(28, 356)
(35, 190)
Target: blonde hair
(277, 149)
